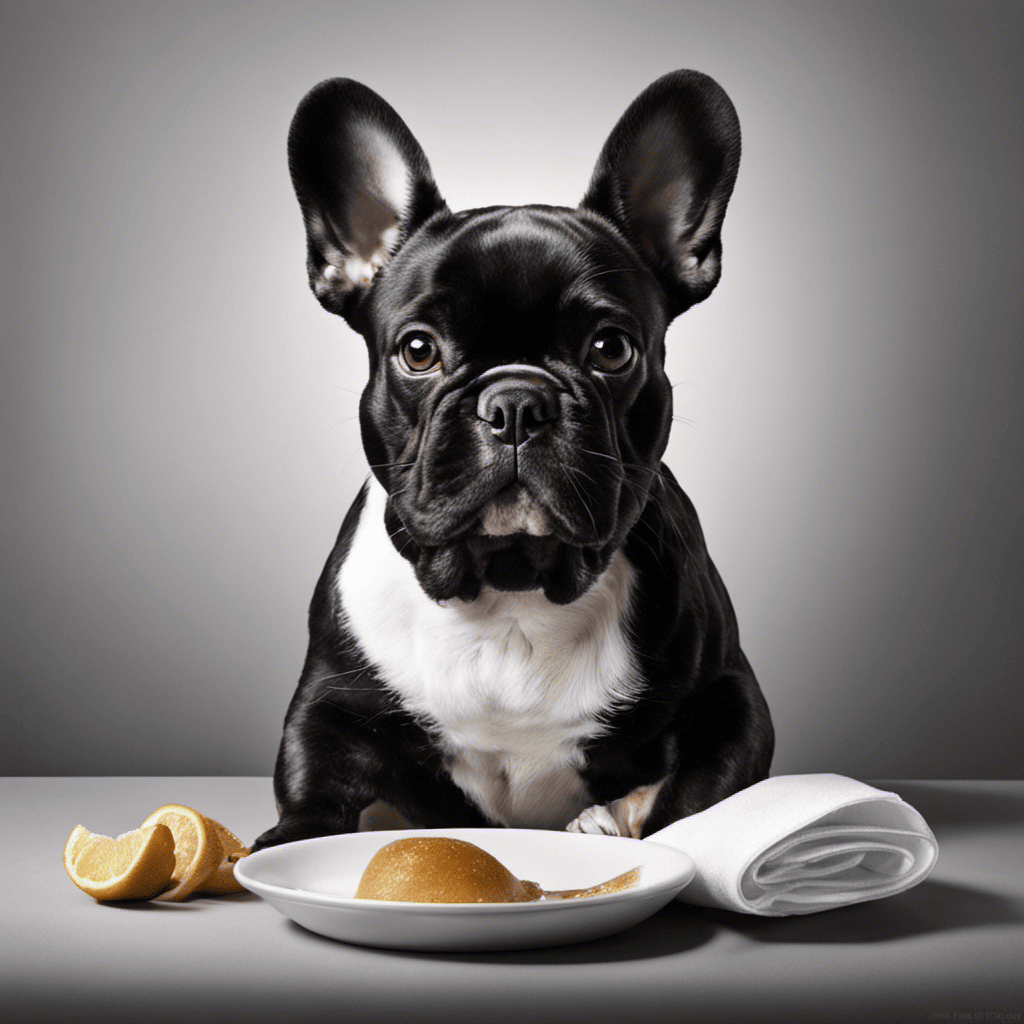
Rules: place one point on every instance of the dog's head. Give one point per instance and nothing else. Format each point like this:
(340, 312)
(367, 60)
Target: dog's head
(517, 407)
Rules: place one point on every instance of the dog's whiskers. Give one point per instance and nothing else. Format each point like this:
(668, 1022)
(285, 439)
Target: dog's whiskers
(627, 465)
(340, 423)
(339, 675)
(686, 422)
(646, 494)
(583, 502)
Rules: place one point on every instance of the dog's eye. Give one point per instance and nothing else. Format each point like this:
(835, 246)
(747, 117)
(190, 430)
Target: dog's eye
(610, 352)
(420, 353)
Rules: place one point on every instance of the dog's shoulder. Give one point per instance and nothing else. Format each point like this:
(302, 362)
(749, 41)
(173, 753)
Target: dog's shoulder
(325, 607)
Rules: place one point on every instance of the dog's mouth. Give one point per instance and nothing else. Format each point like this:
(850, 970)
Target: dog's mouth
(515, 561)
(513, 544)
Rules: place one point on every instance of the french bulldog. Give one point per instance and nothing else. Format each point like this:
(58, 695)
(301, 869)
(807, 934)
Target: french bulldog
(519, 624)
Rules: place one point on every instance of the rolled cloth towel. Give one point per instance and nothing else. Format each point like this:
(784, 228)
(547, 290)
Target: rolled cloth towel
(797, 844)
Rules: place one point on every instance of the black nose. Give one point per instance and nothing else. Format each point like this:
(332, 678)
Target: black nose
(517, 408)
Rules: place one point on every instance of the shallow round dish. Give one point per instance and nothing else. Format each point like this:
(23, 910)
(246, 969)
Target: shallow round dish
(313, 882)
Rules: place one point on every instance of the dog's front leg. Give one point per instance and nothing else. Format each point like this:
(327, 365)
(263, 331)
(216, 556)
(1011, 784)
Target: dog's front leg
(720, 742)
(336, 760)
(324, 775)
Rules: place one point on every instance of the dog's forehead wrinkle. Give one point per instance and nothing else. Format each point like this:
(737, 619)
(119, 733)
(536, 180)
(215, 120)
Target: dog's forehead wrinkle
(513, 233)
(510, 274)
(515, 271)
(520, 238)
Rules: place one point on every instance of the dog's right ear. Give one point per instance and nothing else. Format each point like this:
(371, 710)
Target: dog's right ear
(364, 185)
(664, 177)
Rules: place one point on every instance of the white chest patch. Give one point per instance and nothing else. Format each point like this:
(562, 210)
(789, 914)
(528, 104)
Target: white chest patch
(510, 684)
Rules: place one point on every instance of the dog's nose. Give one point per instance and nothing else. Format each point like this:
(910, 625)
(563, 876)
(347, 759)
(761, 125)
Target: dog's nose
(517, 408)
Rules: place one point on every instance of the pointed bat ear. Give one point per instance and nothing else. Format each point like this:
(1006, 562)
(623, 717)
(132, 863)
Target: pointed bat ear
(664, 178)
(363, 184)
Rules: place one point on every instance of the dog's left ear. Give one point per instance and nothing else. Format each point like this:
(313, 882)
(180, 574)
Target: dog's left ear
(364, 185)
(664, 178)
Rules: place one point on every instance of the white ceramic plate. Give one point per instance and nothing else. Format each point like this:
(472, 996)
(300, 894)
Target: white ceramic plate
(313, 882)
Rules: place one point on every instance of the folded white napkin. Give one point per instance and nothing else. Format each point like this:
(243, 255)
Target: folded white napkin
(797, 844)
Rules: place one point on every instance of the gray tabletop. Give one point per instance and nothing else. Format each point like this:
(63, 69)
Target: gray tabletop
(950, 949)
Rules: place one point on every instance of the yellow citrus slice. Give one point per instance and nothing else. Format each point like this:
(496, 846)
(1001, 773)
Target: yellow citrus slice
(137, 865)
(77, 841)
(197, 850)
(223, 878)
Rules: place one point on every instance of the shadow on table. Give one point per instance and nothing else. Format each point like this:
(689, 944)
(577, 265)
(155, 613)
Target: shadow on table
(931, 908)
(193, 903)
(951, 807)
(672, 930)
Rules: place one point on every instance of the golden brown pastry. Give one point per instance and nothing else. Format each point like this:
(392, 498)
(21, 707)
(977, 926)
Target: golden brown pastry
(436, 869)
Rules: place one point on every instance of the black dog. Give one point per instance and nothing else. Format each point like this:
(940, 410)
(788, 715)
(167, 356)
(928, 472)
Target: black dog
(519, 623)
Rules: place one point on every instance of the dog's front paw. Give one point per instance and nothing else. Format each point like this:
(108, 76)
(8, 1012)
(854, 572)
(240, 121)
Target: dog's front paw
(595, 821)
(623, 817)
(288, 830)
(272, 837)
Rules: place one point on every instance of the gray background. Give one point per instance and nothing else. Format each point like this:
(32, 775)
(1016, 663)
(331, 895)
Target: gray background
(179, 446)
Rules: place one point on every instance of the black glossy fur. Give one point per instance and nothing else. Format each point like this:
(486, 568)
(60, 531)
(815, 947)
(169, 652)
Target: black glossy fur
(531, 286)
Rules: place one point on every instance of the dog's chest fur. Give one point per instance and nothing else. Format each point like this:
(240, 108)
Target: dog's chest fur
(510, 685)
